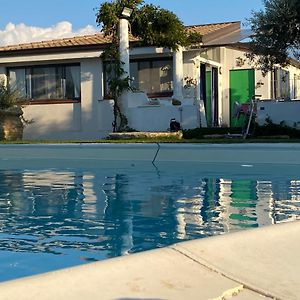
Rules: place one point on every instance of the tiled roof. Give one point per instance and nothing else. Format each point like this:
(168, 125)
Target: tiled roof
(210, 28)
(99, 39)
(213, 33)
(95, 39)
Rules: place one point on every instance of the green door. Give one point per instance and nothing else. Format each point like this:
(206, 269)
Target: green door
(242, 89)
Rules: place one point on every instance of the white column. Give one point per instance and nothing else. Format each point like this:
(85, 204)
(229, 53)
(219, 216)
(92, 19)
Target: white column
(124, 45)
(178, 74)
(199, 102)
(197, 65)
(124, 58)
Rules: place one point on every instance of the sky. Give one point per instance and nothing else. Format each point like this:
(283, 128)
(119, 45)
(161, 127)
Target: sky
(35, 20)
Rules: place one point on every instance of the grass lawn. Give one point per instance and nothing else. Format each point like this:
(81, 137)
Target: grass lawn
(162, 140)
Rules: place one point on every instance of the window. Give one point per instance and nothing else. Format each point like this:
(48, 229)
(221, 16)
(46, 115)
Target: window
(280, 85)
(154, 77)
(53, 82)
(296, 86)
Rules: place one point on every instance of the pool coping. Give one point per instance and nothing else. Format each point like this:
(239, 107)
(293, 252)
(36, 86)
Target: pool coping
(228, 153)
(258, 263)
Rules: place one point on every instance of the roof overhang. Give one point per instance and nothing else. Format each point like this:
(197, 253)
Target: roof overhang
(48, 56)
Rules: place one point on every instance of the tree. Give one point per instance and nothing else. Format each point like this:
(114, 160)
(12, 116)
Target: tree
(151, 26)
(276, 33)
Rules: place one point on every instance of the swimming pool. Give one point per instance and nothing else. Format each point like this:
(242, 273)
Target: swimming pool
(64, 205)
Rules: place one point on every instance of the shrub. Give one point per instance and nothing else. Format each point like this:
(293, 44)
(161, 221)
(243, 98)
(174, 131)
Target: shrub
(272, 129)
(8, 98)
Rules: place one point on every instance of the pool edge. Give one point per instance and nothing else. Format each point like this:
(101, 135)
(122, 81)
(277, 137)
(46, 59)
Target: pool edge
(229, 153)
(246, 263)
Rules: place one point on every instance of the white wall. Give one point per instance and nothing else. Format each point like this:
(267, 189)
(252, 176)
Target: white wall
(188, 65)
(224, 91)
(278, 111)
(157, 117)
(52, 121)
(96, 113)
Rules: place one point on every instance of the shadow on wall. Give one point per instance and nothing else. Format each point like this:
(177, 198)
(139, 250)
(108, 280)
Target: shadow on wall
(157, 118)
(68, 121)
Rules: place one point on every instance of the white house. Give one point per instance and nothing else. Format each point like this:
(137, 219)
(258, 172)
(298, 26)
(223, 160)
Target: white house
(64, 82)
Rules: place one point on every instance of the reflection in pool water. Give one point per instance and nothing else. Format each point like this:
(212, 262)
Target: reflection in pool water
(51, 219)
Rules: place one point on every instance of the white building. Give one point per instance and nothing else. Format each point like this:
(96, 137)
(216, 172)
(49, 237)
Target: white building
(64, 82)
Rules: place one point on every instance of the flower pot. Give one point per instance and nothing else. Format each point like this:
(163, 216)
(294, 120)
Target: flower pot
(189, 92)
(176, 102)
(11, 125)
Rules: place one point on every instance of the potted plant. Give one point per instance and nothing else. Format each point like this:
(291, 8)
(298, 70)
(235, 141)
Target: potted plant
(190, 86)
(11, 114)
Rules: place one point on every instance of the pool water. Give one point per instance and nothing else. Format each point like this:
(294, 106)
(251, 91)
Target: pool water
(51, 218)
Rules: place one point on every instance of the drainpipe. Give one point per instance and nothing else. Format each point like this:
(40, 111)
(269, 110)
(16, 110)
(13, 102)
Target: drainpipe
(178, 74)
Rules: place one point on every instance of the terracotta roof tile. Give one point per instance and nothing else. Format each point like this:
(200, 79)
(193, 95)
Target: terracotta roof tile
(95, 39)
(209, 28)
(100, 39)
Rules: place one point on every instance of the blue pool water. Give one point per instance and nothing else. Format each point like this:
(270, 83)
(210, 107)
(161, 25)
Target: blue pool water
(51, 218)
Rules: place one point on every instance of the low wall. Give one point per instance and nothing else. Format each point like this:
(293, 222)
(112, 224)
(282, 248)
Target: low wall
(154, 114)
(157, 117)
(279, 111)
(69, 121)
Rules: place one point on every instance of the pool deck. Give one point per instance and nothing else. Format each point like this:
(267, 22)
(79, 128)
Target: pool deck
(262, 263)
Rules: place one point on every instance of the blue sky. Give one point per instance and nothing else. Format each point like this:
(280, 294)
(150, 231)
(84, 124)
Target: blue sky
(77, 14)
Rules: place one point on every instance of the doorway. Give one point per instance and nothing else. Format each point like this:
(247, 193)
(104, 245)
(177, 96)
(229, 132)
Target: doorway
(209, 93)
(242, 89)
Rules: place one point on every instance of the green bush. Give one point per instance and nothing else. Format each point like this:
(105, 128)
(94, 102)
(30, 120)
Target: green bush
(272, 129)
(8, 97)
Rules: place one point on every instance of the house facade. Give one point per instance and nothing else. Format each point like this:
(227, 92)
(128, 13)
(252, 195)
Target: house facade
(64, 82)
